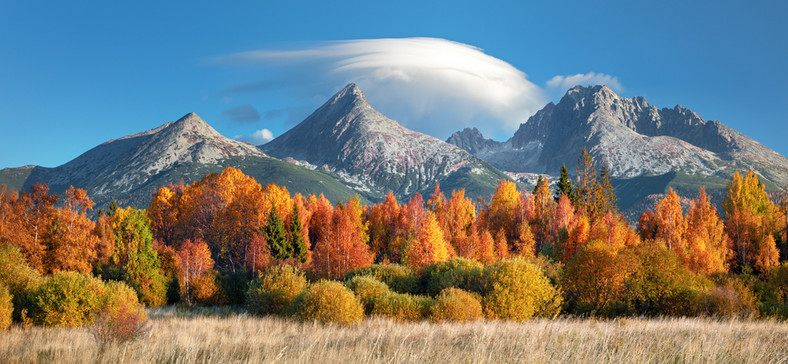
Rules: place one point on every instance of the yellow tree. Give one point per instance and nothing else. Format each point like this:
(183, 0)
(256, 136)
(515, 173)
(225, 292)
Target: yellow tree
(613, 230)
(751, 220)
(428, 246)
(544, 204)
(579, 235)
(459, 215)
(707, 243)
(71, 240)
(670, 224)
(163, 213)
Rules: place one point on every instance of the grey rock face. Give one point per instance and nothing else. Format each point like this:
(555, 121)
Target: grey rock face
(120, 165)
(369, 151)
(632, 137)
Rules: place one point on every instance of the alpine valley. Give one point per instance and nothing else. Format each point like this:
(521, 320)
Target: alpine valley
(346, 147)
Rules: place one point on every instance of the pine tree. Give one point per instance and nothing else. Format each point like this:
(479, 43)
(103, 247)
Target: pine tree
(276, 238)
(587, 183)
(297, 241)
(564, 186)
(604, 195)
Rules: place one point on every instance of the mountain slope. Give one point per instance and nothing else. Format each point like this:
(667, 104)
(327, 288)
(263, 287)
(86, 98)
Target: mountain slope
(131, 168)
(634, 139)
(374, 154)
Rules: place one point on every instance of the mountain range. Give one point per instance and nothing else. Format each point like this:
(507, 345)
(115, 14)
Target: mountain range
(646, 149)
(346, 147)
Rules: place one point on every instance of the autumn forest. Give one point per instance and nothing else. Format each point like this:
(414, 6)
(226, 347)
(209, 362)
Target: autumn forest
(227, 240)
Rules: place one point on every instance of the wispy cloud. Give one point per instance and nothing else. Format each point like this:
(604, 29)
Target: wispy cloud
(243, 113)
(257, 138)
(566, 82)
(431, 85)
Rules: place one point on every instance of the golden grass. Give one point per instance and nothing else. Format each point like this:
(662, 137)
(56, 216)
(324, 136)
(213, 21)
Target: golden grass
(239, 338)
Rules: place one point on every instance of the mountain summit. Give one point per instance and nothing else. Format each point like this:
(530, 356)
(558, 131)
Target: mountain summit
(373, 153)
(632, 137)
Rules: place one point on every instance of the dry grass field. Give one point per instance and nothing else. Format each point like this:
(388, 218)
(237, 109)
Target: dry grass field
(179, 337)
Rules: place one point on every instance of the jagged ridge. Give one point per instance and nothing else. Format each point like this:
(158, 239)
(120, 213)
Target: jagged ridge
(631, 136)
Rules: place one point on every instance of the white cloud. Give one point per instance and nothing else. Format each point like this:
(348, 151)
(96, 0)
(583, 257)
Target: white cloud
(566, 82)
(430, 85)
(259, 137)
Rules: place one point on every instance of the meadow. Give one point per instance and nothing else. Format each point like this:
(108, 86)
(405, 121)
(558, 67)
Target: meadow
(178, 335)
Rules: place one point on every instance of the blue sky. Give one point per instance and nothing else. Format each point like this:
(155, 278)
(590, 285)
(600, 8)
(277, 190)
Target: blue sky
(76, 74)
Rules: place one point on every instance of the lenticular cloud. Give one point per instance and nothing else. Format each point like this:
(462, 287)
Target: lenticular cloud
(431, 85)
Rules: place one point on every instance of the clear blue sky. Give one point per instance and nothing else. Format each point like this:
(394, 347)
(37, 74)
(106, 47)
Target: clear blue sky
(75, 74)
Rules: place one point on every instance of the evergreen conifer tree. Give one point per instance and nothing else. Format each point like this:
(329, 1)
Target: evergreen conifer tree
(276, 238)
(297, 241)
(564, 186)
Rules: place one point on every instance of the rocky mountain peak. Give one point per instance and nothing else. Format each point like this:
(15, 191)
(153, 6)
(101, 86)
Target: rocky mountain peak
(193, 125)
(367, 149)
(472, 140)
(350, 94)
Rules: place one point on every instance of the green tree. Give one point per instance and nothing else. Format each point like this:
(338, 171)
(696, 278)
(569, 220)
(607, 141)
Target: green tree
(564, 186)
(584, 190)
(297, 241)
(276, 238)
(135, 257)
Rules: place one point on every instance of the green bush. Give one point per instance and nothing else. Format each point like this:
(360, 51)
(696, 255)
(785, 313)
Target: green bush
(66, 299)
(6, 308)
(234, 286)
(460, 273)
(403, 307)
(369, 291)
(19, 278)
(454, 304)
(327, 302)
(275, 289)
(399, 278)
(660, 284)
(516, 289)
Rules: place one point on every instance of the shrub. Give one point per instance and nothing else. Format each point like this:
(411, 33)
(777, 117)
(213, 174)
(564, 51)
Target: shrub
(595, 278)
(460, 273)
(660, 284)
(369, 291)
(234, 286)
(15, 273)
(403, 307)
(122, 317)
(328, 302)
(733, 299)
(399, 278)
(454, 304)
(118, 295)
(19, 278)
(205, 291)
(66, 299)
(6, 308)
(275, 289)
(516, 289)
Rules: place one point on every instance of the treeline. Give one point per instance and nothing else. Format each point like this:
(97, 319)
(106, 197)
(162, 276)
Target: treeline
(228, 240)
